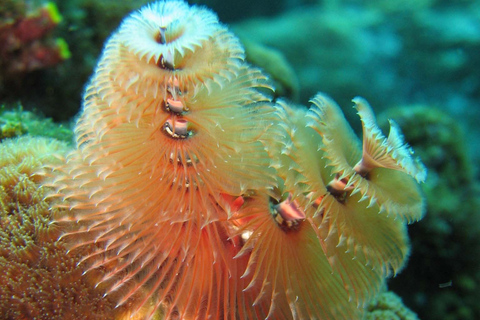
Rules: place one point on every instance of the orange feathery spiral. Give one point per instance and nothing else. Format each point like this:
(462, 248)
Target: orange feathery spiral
(172, 125)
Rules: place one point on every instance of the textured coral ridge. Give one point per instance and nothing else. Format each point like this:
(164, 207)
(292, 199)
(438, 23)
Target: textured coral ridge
(38, 280)
(210, 201)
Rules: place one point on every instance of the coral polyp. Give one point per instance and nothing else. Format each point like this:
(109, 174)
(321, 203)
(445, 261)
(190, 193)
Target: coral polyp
(197, 193)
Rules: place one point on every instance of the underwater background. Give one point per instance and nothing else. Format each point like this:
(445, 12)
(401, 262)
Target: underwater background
(417, 62)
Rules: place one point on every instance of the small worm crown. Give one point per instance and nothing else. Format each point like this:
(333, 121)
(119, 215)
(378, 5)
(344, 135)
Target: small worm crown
(198, 197)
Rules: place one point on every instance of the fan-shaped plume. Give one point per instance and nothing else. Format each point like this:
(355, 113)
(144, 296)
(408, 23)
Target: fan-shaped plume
(382, 173)
(380, 152)
(341, 146)
(296, 155)
(377, 239)
(362, 245)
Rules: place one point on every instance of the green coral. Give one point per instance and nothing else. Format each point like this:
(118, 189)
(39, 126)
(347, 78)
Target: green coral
(389, 306)
(15, 122)
(10, 129)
